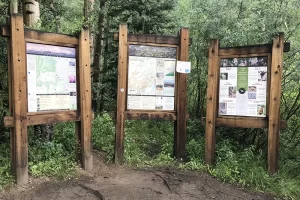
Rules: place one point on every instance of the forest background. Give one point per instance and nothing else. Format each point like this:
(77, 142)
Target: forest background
(241, 153)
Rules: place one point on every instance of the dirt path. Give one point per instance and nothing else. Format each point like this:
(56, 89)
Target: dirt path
(115, 183)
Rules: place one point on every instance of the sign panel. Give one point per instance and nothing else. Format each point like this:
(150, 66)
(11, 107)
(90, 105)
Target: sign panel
(183, 67)
(51, 77)
(243, 86)
(151, 77)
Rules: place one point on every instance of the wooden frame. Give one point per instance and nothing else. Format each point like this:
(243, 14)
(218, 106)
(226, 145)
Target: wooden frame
(271, 121)
(179, 115)
(20, 118)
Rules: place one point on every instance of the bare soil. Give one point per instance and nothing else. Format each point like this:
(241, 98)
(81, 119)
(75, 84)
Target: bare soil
(111, 182)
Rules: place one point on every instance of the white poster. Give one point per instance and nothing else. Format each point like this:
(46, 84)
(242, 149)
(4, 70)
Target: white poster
(51, 78)
(243, 86)
(151, 77)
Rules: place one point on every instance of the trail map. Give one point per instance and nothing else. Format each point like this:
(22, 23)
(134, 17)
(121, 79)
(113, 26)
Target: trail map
(51, 75)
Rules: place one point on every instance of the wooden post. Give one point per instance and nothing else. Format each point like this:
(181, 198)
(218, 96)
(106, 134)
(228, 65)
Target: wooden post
(181, 101)
(10, 108)
(85, 101)
(211, 108)
(19, 100)
(121, 93)
(274, 107)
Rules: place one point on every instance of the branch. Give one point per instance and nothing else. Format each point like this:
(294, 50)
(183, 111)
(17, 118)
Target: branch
(291, 33)
(293, 109)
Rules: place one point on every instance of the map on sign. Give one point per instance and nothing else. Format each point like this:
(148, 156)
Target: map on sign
(151, 78)
(51, 78)
(142, 81)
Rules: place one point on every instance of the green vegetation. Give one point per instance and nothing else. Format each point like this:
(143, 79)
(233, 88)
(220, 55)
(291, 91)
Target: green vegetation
(241, 153)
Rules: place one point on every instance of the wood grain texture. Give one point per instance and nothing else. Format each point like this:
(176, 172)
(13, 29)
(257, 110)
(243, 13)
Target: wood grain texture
(274, 107)
(121, 93)
(140, 115)
(46, 118)
(19, 98)
(85, 100)
(255, 49)
(181, 99)
(211, 106)
(155, 39)
(44, 37)
(236, 122)
(10, 107)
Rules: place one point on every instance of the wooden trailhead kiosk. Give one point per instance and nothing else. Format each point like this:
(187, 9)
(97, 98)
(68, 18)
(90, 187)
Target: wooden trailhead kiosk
(152, 83)
(49, 82)
(244, 90)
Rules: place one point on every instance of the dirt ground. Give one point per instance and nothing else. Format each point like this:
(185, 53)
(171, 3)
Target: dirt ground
(112, 182)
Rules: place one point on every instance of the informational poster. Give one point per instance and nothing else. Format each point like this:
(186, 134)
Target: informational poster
(51, 77)
(243, 86)
(151, 77)
(183, 67)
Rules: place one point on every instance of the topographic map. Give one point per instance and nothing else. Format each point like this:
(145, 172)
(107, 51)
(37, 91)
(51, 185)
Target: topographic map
(52, 75)
(142, 75)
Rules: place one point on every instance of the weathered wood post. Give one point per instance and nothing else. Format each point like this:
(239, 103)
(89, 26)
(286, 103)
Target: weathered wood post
(121, 93)
(274, 107)
(19, 140)
(180, 123)
(211, 106)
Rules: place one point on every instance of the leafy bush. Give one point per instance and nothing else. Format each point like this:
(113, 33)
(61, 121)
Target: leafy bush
(5, 176)
(53, 158)
(148, 142)
(103, 137)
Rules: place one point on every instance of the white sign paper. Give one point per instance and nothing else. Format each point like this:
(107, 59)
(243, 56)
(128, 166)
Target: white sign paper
(183, 67)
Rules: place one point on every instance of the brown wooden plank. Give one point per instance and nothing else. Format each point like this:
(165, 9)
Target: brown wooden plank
(121, 93)
(181, 99)
(244, 122)
(18, 61)
(255, 49)
(85, 100)
(211, 106)
(46, 37)
(135, 115)
(46, 118)
(274, 107)
(155, 39)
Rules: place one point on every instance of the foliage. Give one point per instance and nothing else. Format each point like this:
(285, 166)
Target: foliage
(5, 176)
(55, 158)
(104, 135)
(148, 142)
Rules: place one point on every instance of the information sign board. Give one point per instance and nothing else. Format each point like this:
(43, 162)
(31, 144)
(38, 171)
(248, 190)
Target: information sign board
(51, 77)
(243, 86)
(151, 78)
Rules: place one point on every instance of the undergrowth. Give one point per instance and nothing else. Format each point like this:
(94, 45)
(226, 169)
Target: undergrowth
(150, 143)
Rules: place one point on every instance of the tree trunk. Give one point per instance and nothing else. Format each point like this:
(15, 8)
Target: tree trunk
(98, 55)
(31, 15)
(13, 7)
(31, 12)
